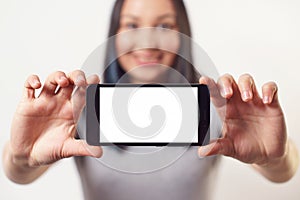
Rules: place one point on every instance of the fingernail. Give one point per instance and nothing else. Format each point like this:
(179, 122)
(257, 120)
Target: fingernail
(95, 151)
(226, 91)
(35, 83)
(80, 80)
(203, 151)
(62, 78)
(266, 99)
(246, 95)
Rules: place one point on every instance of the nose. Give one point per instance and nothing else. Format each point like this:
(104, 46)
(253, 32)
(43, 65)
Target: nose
(147, 39)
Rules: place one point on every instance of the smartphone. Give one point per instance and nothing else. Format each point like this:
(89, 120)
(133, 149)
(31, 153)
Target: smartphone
(147, 114)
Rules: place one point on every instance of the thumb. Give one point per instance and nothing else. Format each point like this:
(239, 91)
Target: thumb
(74, 147)
(221, 146)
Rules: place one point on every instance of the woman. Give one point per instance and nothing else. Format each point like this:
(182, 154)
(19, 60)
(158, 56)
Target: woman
(254, 132)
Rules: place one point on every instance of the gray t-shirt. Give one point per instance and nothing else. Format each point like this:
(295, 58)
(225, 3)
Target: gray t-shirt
(188, 177)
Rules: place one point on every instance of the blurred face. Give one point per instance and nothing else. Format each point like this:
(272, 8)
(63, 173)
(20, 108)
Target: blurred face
(143, 50)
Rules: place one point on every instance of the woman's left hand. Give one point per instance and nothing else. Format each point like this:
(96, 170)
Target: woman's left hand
(254, 129)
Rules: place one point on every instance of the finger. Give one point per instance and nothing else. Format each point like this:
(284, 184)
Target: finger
(73, 147)
(78, 102)
(80, 91)
(78, 97)
(53, 81)
(31, 84)
(93, 79)
(247, 88)
(225, 85)
(215, 95)
(221, 146)
(65, 92)
(77, 78)
(269, 93)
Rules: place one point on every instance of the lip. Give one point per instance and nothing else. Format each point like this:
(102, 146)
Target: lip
(146, 60)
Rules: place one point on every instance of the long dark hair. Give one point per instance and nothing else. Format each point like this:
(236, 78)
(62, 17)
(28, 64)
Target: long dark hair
(182, 63)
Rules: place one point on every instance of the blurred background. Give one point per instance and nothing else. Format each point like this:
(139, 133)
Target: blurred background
(256, 37)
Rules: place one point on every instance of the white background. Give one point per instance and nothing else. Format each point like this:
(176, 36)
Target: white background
(258, 37)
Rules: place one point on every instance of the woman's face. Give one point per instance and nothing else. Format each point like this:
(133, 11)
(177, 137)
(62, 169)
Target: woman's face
(147, 47)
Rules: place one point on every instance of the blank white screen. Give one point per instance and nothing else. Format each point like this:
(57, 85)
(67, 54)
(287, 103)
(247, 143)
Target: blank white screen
(139, 106)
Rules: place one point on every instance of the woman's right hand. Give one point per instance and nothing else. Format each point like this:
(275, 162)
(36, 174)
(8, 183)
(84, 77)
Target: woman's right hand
(43, 128)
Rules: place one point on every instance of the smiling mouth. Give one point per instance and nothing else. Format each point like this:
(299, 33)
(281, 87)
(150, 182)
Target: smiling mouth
(148, 60)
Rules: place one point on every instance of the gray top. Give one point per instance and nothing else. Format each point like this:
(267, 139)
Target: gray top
(187, 177)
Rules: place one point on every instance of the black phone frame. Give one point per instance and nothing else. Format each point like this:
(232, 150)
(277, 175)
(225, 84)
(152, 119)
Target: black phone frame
(93, 118)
